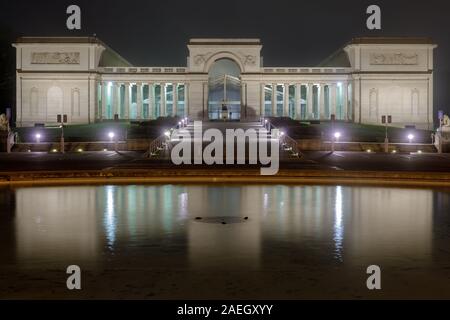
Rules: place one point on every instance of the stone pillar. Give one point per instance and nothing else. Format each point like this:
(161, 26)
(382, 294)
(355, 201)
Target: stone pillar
(151, 101)
(274, 100)
(126, 101)
(309, 103)
(186, 99)
(332, 89)
(115, 93)
(262, 108)
(322, 101)
(345, 100)
(298, 101)
(175, 99)
(163, 100)
(104, 100)
(139, 103)
(286, 100)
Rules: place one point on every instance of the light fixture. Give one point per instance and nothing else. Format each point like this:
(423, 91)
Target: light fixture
(410, 137)
(38, 137)
(80, 150)
(54, 150)
(167, 133)
(111, 135)
(394, 151)
(419, 151)
(337, 135)
(369, 150)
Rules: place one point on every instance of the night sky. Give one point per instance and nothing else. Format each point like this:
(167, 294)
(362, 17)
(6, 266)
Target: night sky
(293, 33)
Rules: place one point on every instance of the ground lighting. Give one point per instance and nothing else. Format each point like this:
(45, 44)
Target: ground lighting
(111, 135)
(410, 137)
(38, 137)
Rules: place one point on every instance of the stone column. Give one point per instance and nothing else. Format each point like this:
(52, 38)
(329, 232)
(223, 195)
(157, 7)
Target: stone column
(139, 100)
(345, 100)
(151, 101)
(104, 100)
(286, 100)
(126, 101)
(175, 99)
(163, 100)
(262, 108)
(322, 101)
(332, 89)
(298, 101)
(115, 93)
(274, 100)
(186, 99)
(309, 103)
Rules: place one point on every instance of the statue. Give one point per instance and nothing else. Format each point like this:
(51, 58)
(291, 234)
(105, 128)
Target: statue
(4, 123)
(445, 125)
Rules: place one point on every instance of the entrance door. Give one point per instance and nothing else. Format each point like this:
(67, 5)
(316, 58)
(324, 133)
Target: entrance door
(224, 101)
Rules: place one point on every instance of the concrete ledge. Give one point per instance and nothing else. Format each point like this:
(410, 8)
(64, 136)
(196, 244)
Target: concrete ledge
(229, 176)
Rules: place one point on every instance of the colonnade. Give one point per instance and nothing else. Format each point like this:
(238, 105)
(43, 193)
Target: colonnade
(117, 99)
(307, 101)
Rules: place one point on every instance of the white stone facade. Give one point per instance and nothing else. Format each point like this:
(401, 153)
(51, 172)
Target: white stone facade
(85, 80)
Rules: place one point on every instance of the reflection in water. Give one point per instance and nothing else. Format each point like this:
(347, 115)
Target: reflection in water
(110, 219)
(318, 224)
(338, 227)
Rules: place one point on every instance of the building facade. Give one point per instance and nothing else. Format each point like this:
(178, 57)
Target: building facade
(82, 80)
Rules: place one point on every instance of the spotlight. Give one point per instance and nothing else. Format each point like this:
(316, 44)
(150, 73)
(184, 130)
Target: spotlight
(111, 135)
(369, 150)
(38, 137)
(410, 137)
(80, 150)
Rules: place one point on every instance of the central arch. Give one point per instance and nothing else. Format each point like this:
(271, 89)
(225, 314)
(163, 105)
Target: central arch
(224, 90)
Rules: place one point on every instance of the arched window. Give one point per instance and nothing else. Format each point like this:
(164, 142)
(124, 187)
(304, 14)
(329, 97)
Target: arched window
(373, 104)
(224, 89)
(34, 101)
(54, 103)
(75, 102)
(415, 102)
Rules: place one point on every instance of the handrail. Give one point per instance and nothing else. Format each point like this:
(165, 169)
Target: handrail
(287, 142)
(155, 146)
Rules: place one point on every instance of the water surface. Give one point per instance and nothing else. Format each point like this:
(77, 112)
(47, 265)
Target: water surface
(170, 241)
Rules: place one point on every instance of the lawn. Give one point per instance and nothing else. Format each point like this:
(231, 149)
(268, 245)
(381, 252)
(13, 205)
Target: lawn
(97, 131)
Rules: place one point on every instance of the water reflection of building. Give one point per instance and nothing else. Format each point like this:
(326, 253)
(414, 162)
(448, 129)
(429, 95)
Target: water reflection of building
(57, 224)
(389, 223)
(232, 246)
(316, 223)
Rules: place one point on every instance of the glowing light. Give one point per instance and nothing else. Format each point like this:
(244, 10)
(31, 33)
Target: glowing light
(167, 133)
(54, 150)
(369, 150)
(419, 151)
(80, 150)
(394, 151)
(410, 137)
(38, 137)
(111, 135)
(105, 149)
(339, 84)
(337, 135)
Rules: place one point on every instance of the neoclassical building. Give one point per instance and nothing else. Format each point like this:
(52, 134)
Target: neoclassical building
(85, 81)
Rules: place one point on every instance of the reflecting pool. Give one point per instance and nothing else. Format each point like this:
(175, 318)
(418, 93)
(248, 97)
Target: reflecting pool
(256, 241)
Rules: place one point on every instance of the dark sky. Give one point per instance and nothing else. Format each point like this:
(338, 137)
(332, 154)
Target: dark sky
(293, 32)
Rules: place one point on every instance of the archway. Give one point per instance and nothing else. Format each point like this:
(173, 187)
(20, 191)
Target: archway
(224, 98)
